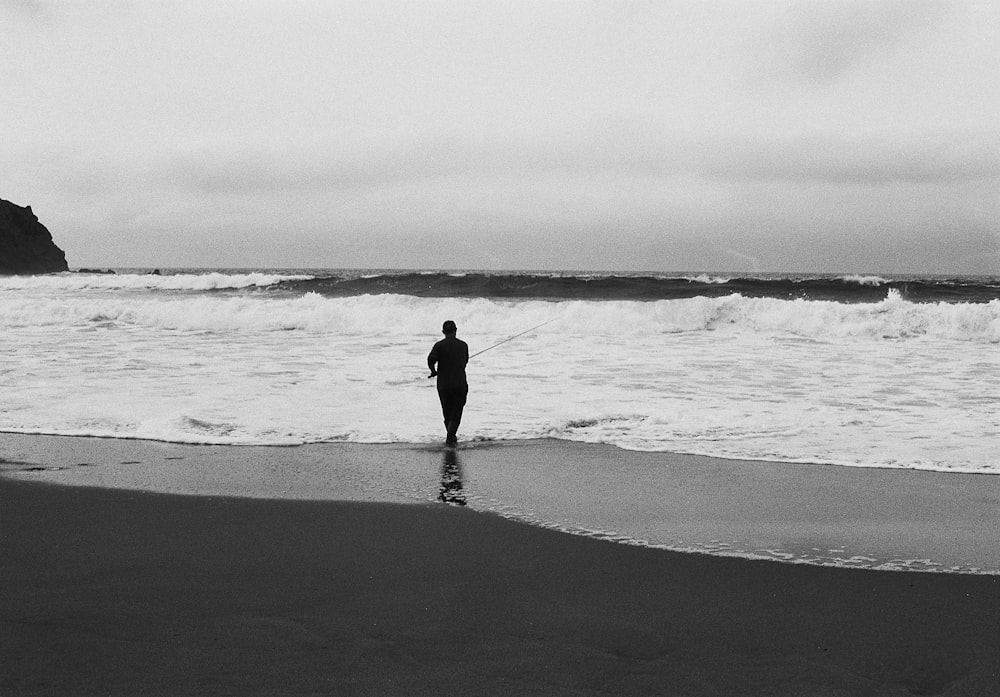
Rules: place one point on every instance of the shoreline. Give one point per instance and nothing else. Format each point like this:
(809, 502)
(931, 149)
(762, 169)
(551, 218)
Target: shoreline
(902, 520)
(498, 442)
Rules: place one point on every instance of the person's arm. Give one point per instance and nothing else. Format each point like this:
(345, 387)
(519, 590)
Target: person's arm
(432, 360)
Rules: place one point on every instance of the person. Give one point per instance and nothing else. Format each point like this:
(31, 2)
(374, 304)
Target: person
(447, 361)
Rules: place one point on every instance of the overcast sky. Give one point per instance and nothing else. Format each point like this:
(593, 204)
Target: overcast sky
(726, 136)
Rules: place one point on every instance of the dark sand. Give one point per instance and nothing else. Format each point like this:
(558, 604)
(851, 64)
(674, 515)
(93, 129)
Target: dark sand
(115, 592)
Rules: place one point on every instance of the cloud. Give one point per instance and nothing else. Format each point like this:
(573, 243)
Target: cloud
(623, 131)
(48, 13)
(595, 154)
(942, 158)
(34, 10)
(819, 42)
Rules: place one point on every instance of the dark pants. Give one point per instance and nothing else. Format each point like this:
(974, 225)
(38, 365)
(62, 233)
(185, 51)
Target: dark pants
(452, 404)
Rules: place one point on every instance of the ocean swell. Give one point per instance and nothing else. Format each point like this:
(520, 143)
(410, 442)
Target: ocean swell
(557, 286)
(144, 282)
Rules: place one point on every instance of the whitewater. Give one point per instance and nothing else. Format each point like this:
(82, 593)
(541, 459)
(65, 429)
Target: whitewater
(264, 358)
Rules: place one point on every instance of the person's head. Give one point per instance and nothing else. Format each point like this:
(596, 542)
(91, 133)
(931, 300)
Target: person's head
(449, 328)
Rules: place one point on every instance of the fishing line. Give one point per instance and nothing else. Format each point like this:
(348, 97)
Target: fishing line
(511, 338)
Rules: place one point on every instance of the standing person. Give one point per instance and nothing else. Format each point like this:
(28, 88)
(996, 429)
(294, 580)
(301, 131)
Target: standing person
(447, 361)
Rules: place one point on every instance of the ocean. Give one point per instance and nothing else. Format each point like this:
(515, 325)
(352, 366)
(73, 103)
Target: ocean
(862, 371)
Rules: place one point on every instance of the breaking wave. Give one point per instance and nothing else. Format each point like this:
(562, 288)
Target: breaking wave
(891, 318)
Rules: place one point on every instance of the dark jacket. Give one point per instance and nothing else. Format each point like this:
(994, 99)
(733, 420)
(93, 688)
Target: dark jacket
(451, 355)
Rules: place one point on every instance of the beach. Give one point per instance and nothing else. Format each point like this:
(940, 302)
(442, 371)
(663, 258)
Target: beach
(118, 591)
(724, 286)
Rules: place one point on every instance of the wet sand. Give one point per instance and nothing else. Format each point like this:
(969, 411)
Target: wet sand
(852, 517)
(121, 592)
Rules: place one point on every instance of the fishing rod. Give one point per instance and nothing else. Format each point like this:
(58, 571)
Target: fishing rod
(511, 338)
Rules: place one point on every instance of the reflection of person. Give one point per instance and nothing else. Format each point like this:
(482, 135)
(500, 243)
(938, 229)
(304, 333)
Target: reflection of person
(447, 361)
(451, 479)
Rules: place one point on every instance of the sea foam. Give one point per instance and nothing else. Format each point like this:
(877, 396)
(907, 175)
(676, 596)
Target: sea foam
(885, 384)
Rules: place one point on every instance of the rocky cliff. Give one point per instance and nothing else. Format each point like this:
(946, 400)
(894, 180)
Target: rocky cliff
(26, 246)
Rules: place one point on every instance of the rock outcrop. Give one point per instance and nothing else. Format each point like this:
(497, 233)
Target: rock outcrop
(26, 246)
